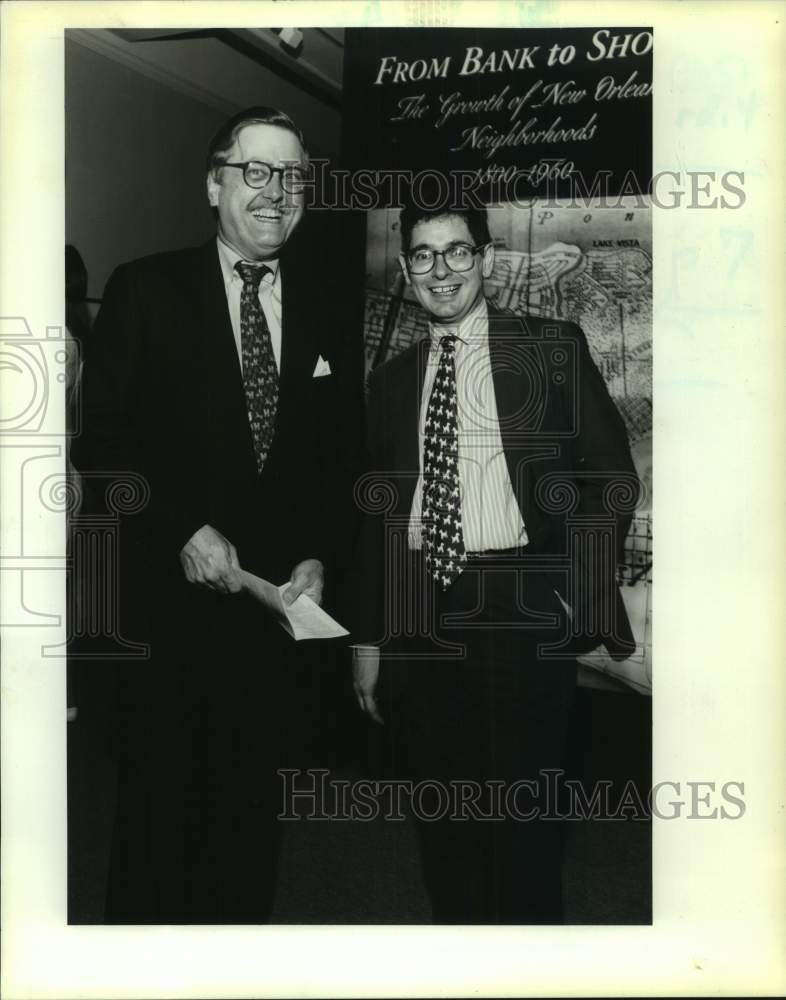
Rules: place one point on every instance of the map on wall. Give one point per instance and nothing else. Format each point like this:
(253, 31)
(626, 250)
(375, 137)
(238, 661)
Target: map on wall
(591, 265)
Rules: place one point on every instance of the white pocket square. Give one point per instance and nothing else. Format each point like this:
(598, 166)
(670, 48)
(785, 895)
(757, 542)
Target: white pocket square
(322, 368)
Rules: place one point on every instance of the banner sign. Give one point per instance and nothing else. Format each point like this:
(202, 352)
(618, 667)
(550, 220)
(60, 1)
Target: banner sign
(528, 111)
(552, 129)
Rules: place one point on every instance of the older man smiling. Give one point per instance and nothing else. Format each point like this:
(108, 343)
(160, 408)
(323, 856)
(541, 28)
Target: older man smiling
(213, 376)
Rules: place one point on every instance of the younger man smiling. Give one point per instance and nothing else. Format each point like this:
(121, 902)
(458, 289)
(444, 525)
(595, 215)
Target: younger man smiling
(479, 433)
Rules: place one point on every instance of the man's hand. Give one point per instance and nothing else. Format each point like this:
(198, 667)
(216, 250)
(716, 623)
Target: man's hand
(308, 578)
(209, 560)
(365, 673)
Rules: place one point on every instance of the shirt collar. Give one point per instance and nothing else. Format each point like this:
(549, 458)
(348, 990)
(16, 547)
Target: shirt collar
(228, 257)
(473, 329)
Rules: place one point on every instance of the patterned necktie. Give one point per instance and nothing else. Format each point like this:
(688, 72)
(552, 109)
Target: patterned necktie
(443, 538)
(260, 375)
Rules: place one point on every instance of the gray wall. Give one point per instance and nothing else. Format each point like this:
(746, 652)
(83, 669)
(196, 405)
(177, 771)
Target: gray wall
(135, 150)
(135, 144)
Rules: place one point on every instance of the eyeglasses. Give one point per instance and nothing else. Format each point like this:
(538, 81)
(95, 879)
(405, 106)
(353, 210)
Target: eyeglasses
(458, 257)
(257, 174)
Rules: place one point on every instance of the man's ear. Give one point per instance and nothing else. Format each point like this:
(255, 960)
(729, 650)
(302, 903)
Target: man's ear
(213, 187)
(402, 263)
(488, 260)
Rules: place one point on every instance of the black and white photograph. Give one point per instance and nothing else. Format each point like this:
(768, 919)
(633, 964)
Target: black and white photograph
(219, 763)
(378, 485)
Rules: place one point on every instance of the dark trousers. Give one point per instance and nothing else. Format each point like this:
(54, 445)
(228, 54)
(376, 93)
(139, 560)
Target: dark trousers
(492, 721)
(226, 700)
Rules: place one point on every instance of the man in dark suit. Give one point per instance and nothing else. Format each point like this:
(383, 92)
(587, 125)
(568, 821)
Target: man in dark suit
(488, 562)
(212, 375)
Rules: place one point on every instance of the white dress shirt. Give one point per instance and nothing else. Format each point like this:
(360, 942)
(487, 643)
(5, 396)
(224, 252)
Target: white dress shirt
(490, 514)
(269, 297)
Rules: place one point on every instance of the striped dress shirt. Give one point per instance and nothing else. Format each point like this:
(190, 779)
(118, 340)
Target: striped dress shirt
(490, 514)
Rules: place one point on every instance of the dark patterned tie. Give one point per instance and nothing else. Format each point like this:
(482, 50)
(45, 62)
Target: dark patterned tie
(443, 537)
(260, 375)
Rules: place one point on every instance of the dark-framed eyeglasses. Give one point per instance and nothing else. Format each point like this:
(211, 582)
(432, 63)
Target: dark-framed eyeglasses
(458, 257)
(257, 174)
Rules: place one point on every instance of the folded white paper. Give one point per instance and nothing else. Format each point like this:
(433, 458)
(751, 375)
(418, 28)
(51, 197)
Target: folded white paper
(303, 619)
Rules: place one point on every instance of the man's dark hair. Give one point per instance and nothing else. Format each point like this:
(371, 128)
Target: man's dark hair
(475, 218)
(224, 139)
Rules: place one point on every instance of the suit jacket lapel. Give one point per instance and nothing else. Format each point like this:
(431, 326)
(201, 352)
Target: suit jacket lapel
(213, 310)
(504, 336)
(519, 383)
(299, 349)
(405, 420)
(223, 389)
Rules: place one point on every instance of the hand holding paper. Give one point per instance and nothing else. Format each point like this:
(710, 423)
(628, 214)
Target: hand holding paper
(308, 578)
(210, 560)
(303, 618)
